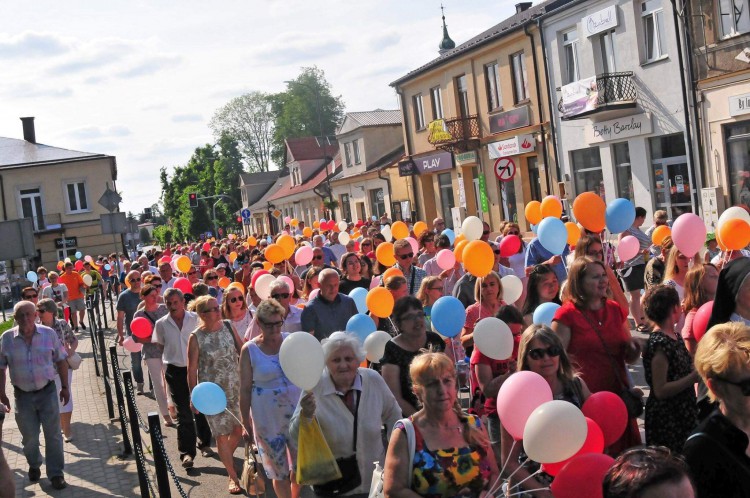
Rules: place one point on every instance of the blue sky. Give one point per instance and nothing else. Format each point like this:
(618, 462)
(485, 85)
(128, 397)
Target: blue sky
(141, 80)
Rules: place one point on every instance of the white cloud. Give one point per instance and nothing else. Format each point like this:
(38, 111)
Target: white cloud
(31, 44)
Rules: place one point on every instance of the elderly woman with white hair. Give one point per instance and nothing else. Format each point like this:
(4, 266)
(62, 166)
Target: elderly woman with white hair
(351, 405)
(279, 290)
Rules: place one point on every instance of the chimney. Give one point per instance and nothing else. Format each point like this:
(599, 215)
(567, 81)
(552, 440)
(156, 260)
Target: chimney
(520, 7)
(28, 130)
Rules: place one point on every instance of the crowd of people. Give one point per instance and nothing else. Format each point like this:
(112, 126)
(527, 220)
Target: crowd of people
(220, 310)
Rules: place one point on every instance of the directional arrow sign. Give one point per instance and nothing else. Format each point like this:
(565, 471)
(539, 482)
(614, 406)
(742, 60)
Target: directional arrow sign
(505, 169)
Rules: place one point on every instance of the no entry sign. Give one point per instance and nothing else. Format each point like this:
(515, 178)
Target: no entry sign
(505, 169)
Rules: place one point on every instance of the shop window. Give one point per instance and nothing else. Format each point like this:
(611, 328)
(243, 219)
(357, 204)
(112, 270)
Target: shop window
(346, 208)
(587, 171)
(623, 172)
(520, 80)
(570, 56)
(436, 99)
(446, 198)
(738, 160)
(418, 112)
(535, 185)
(735, 17)
(654, 32)
(492, 80)
(672, 177)
(377, 202)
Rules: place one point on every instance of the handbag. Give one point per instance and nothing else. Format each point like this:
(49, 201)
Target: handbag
(74, 360)
(378, 475)
(251, 480)
(350, 476)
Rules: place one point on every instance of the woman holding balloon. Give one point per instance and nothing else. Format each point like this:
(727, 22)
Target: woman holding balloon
(543, 287)
(676, 268)
(700, 288)
(488, 293)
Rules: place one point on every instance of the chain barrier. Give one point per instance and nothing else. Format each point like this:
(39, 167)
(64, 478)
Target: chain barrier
(144, 479)
(131, 398)
(117, 378)
(161, 457)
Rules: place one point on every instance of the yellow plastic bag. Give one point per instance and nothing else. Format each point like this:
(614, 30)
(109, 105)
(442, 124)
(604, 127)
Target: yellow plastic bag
(315, 461)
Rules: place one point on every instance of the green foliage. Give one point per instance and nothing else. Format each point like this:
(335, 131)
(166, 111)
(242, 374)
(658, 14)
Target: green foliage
(7, 325)
(163, 234)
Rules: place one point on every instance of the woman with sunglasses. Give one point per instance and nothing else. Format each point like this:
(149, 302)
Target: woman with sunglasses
(543, 287)
(278, 290)
(234, 308)
(540, 351)
(213, 353)
(366, 246)
(488, 293)
(211, 279)
(154, 281)
(310, 283)
(427, 248)
(351, 267)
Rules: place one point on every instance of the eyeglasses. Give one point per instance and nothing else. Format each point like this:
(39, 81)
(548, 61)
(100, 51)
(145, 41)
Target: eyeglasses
(215, 309)
(135, 279)
(539, 353)
(744, 385)
(317, 257)
(366, 244)
(272, 325)
(41, 311)
(235, 299)
(283, 295)
(158, 286)
(214, 277)
(192, 272)
(412, 317)
(30, 296)
(513, 233)
(406, 256)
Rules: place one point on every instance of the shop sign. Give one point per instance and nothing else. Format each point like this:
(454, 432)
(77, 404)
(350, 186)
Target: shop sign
(438, 131)
(603, 20)
(66, 242)
(461, 193)
(520, 144)
(579, 97)
(431, 163)
(510, 120)
(618, 129)
(739, 104)
(483, 194)
(466, 158)
(407, 168)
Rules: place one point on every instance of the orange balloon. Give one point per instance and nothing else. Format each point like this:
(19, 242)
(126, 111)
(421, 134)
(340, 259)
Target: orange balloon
(184, 264)
(458, 251)
(267, 265)
(316, 224)
(419, 227)
(590, 211)
(384, 254)
(459, 238)
(657, 236)
(533, 212)
(479, 259)
(287, 244)
(224, 282)
(551, 207)
(274, 253)
(720, 243)
(236, 285)
(399, 230)
(252, 241)
(232, 256)
(391, 272)
(307, 231)
(574, 233)
(735, 234)
(294, 222)
(380, 302)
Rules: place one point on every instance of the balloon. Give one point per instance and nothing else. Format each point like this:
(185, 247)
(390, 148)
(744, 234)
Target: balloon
(32, 277)
(208, 398)
(141, 327)
(360, 298)
(303, 255)
(252, 241)
(391, 272)
(620, 215)
(375, 282)
(590, 211)
(384, 254)
(446, 259)
(107, 267)
(79, 265)
(262, 286)
(609, 412)
(288, 281)
(130, 345)
(316, 224)
(659, 233)
(399, 230)
(479, 258)
(628, 248)
(287, 243)
(206, 246)
(184, 285)
(509, 246)
(375, 345)
(574, 233)
(700, 320)
(582, 476)
(419, 228)
(87, 279)
(79, 254)
(274, 253)
(183, 264)
(237, 285)
(553, 235)
(512, 288)
(224, 282)
(544, 313)
(493, 338)
(362, 325)
(594, 444)
(88, 258)
(387, 233)
(460, 237)
(533, 212)
(344, 238)
(414, 244)
(521, 394)
(450, 234)
(734, 212)
(689, 234)
(735, 234)
(313, 295)
(472, 228)
(294, 222)
(232, 256)
(458, 250)
(554, 432)
(448, 316)
(256, 276)
(287, 219)
(551, 207)
(267, 265)
(380, 302)
(343, 225)
(307, 232)
(302, 360)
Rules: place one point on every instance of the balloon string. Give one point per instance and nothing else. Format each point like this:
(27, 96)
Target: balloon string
(523, 481)
(519, 468)
(393, 325)
(494, 488)
(528, 491)
(233, 416)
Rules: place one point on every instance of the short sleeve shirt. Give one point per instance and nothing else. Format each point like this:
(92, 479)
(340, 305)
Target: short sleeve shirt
(73, 282)
(31, 367)
(128, 302)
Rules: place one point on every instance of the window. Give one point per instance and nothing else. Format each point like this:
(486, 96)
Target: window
(735, 18)
(623, 172)
(418, 112)
(346, 208)
(347, 155)
(738, 158)
(355, 149)
(296, 180)
(31, 206)
(76, 195)
(377, 202)
(535, 184)
(587, 170)
(654, 35)
(446, 198)
(436, 99)
(462, 92)
(607, 51)
(570, 56)
(520, 86)
(492, 80)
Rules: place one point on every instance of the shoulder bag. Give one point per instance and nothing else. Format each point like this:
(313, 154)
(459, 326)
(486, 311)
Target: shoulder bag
(251, 480)
(376, 486)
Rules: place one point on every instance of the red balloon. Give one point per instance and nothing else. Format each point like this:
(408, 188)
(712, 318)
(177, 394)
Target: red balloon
(509, 245)
(79, 265)
(609, 412)
(207, 246)
(184, 285)
(700, 321)
(594, 444)
(141, 327)
(582, 477)
(256, 276)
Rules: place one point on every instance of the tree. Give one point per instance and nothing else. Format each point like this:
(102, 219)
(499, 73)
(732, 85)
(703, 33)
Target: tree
(163, 234)
(249, 120)
(144, 235)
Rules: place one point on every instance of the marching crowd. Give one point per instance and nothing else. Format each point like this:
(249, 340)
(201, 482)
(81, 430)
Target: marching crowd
(219, 311)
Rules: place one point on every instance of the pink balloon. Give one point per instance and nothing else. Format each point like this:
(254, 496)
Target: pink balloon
(700, 321)
(184, 285)
(289, 282)
(374, 282)
(689, 234)
(313, 294)
(521, 394)
(303, 255)
(628, 248)
(414, 244)
(130, 345)
(446, 259)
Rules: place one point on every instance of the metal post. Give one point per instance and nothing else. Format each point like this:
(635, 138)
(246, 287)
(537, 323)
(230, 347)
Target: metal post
(127, 376)
(104, 305)
(105, 371)
(127, 449)
(160, 459)
(94, 349)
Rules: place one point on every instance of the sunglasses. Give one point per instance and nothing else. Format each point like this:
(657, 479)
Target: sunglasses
(744, 385)
(514, 233)
(283, 295)
(435, 288)
(41, 311)
(366, 244)
(215, 277)
(30, 296)
(485, 232)
(407, 256)
(235, 299)
(271, 325)
(135, 279)
(215, 309)
(317, 257)
(539, 353)
(158, 286)
(192, 272)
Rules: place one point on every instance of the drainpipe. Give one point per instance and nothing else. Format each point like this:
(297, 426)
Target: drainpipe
(388, 186)
(2, 198)
(539, 106)
(408, 149)
(549, 101)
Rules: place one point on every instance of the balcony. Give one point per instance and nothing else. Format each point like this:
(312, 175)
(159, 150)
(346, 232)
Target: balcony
(47, 223)
(604, 92)
(455, 134)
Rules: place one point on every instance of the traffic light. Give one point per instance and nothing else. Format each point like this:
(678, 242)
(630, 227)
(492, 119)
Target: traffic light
(193, 199)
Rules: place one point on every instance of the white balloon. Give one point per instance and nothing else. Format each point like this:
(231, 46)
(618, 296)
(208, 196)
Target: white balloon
(343, 225)
(87, 279)
(344, 238)
(554, 432)
(302, 360)
(375, 345)
(386, 231)
(493, 338)
(263, 286)
(512, 288)
(472, 228)
(730, 213)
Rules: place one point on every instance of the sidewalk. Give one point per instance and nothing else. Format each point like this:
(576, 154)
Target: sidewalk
(92, 466)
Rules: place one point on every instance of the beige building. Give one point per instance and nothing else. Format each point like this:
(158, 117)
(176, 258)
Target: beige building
(59, 190)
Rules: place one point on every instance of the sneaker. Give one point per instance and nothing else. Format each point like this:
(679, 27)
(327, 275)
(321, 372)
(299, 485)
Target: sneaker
(58, 482)
(187, 462)
(34, 474)
(139, 388)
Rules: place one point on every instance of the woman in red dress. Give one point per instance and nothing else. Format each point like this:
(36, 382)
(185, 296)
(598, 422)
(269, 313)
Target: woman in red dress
(594, 331)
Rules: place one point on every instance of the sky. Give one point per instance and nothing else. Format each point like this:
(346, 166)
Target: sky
(141, 80)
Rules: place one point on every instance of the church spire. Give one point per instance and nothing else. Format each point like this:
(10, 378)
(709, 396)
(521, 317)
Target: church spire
(446, 44)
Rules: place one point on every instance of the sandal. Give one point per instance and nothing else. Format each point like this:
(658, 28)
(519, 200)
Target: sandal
(234, 488)
(643, 329)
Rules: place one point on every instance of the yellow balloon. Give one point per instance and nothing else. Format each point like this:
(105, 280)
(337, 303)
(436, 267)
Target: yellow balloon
(384, 254)
(237, 285)
(274, 253)
(232, 256)
(380, 302)
(307, 232)
(183, 264)
(399, 230)
(316, 224)
(479, 259)
(294, 222)
(419, 228)
(287, 243)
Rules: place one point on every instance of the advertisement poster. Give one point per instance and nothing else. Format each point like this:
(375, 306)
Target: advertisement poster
(579, 97)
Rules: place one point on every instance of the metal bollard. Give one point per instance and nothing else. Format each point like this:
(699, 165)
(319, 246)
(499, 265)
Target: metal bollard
(104, 306)
(95, 350)
(105, 376)
(160, 459)
(136, 432)
(127, 449)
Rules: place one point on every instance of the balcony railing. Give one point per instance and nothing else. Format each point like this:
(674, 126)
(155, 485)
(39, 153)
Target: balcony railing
(611, 91)
(47, 223)
(454, 133)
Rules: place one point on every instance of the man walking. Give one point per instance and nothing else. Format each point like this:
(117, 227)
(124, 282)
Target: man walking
(76, 289)
(404, 254)
(127, 305)
(35, 355)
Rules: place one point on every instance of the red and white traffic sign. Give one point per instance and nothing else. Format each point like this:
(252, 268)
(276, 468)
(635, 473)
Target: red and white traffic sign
(505, 169)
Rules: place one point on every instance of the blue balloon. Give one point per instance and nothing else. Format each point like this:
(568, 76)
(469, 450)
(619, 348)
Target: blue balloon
(448, 316)
(79, 254)
(450, 234)
(32, 276)
(361, 325)
(553, 235)
(620, 215)
(107, 267)
(544, 313)
(208, 398)
(360, 299)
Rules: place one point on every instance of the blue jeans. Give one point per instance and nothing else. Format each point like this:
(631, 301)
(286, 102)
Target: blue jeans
(35, 409)
(136, 367)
